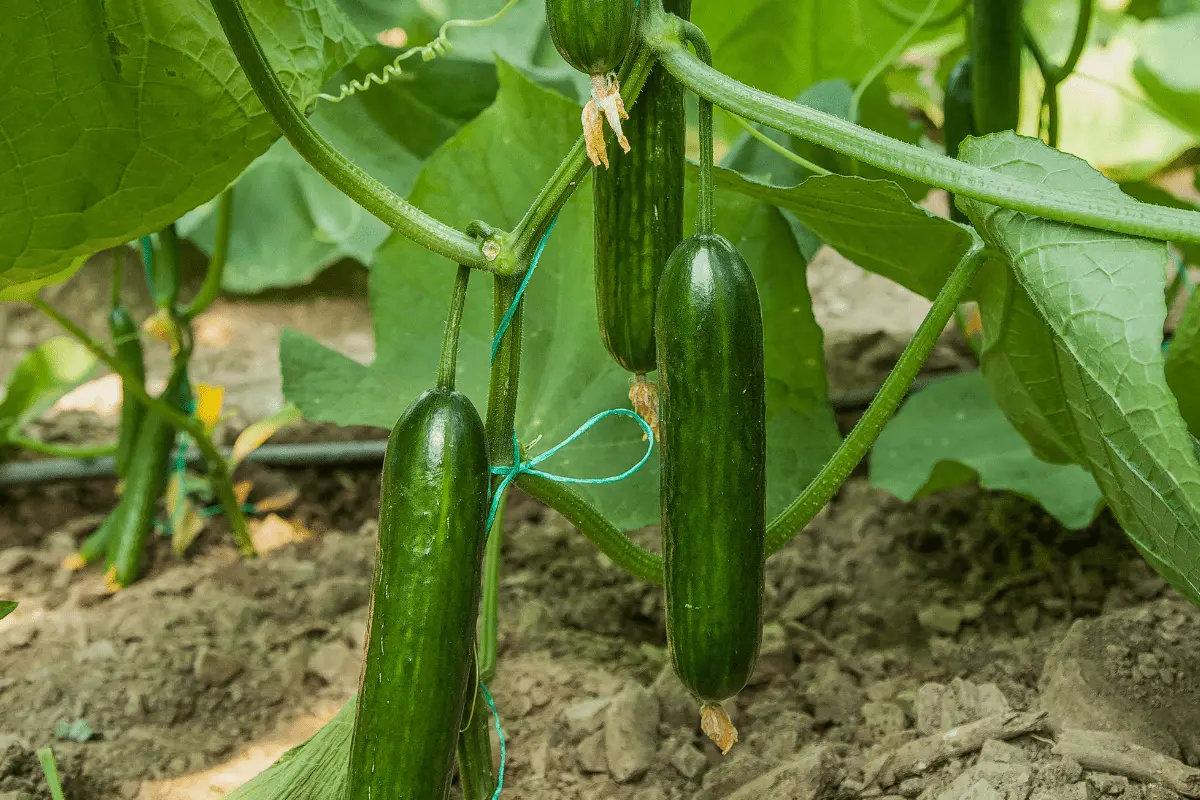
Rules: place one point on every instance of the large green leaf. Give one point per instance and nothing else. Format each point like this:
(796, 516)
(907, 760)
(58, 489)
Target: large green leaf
(121, 116)
(1183, 365)
(492, 169)
(290, 223)
(1073, 321)
(871, 222)
(315, 770)
(953, 433)
(784, 46)
(1167, 67)
(40, 378)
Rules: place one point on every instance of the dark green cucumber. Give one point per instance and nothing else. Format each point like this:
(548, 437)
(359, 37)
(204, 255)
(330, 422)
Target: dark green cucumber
(712, 389)
(95, 546)
(144, 485)
(415, 682)
(591, 35)
(959, 122)
(128, 347)
(639, 217)
(995, 38)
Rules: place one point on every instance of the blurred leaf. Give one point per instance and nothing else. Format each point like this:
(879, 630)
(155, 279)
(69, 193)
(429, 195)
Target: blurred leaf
(41, 377)
(1152, 193)
(492, 169)
(1073, 322)
(131, 113)
(1183, 365)
(873, 223)
(7, 607)
(953, 433)
(256, 434)
(290, 223)
(1168, 69)
(78, 731)
(315, 770)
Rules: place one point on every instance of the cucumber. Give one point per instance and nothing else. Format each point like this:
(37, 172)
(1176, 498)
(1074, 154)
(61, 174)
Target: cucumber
(591, 35)
(995, 38)
(712, 387)
(639, 217)
(128, 347)
(144, 485)
(415, 682)
(959, 122)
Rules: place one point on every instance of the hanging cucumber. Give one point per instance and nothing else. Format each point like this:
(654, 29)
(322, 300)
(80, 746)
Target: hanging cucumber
(639, 223)
(128, 347)
(995, 39)
(959, 122)
(593, 36)
(713, 480)
(433, 506)
(147, 477)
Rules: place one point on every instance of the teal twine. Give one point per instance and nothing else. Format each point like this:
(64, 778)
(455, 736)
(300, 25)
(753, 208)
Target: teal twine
(520, 467)
(506, 320)
(148, 261)
(500, 733)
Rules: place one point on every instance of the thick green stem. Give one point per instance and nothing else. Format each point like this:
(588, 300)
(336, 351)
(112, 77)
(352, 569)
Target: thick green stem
(458, 299)
(336, 168)
(218, 468)
(855, 446)
(489, 604)
(704, 213)
(475, 775)
(1122, 216)
(62, 451)
(635, 560)
(570, 173)
(215, 272)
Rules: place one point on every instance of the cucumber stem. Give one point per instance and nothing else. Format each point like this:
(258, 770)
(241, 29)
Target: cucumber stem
(475, 775)
(458, 299)
(637, 561)
(704, 214)
(855, 446)
(489, 605)
(81, 452)
(118, 277)
(215, 271)
(164, 269)
(1054, 76)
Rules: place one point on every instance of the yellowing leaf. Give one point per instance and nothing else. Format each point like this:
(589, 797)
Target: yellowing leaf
(209, 400)
(255, 435)
(241, 490)
(277, 502)
(275, 532)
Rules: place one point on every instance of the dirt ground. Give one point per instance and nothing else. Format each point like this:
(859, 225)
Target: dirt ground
(960, 647)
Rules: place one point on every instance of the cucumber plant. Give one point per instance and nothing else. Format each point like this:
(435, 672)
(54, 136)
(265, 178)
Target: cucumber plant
(1065, 268)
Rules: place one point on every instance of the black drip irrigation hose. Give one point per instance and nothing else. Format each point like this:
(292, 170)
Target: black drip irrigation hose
(309, 454)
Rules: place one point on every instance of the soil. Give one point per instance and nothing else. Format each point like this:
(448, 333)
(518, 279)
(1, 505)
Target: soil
(939, 649)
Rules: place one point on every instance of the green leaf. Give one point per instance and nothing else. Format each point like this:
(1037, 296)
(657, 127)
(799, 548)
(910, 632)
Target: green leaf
(1073, 321)
(132, 113)
(41, 377)
(783, 46)
(315, 770)
(953, 433)
(7, 607)
(290, 223)
(871, 222)
(492, 169)
(1183, 365)
(1166, 66)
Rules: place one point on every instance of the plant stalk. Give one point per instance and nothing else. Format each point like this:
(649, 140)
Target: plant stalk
(704, 214)
(82, 453)
(215, 271)
(458, 299)
(855, 446)
(1080, 208)
(332, 165)
(218, 468)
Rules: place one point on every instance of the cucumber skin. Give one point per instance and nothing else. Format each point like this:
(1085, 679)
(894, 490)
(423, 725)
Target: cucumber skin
(591, 35)
(639, 217)
(712, 388)
(144, 485)
(128, 346)
(424, 603)
(995, 38)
